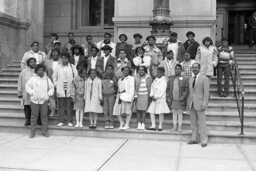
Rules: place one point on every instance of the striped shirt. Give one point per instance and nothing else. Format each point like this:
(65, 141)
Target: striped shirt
(143, 87)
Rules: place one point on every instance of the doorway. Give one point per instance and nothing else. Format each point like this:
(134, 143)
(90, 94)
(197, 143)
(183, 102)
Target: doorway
(238, 26)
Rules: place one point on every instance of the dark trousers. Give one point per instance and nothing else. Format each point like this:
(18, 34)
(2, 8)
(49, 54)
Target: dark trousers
(27, 112)
(252, 36)
(223, 69)
(41, 109)
(108, 104)
(65, 104)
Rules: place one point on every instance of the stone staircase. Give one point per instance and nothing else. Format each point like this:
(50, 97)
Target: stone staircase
(222, 114)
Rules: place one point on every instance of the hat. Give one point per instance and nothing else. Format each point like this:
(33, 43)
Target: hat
(76, 46)
(190, 33)
(107, 47)
(34, 42)
(153, 37)
(56, 42)
(174, 34)
(94, 47)
(54, 35)
(123, 35)
(137, 35)
(108, 34)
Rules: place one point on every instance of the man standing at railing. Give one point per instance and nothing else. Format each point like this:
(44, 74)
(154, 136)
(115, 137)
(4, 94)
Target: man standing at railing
(197, 104)
(225, 62)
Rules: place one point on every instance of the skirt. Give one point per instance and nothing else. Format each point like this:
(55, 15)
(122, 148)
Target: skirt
(123, 108)
(142, 102)
(177, 105)
(79, 103)
(158, 108)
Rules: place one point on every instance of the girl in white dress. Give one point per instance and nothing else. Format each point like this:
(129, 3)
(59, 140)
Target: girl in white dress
(158, 105)
(93, 97)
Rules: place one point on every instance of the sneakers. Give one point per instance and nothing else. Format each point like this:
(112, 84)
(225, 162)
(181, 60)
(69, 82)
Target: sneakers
(60, 124)
(125, 127)
(70, 124)
(107, 125)
(139, 126)
(81, 125)
(111, 126)
(142, 126)
(77, 125)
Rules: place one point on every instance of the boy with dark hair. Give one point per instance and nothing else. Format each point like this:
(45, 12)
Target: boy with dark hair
(226, 56)
(87, 46)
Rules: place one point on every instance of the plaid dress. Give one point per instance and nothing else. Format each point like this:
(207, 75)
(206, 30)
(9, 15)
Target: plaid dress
(187, 68)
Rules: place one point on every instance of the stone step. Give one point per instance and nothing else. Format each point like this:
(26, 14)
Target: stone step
(225, 137)
(12, 70)
(246, 58)
(168, 123)
(9, 75)
(230, 107)
(246, 62)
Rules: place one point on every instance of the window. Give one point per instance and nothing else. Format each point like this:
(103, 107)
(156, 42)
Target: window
(97, 13)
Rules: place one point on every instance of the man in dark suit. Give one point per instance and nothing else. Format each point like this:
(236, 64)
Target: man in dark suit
(197, 104)
(105, 60)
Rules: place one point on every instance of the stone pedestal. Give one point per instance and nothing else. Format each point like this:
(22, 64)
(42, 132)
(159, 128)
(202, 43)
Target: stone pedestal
(161, 21)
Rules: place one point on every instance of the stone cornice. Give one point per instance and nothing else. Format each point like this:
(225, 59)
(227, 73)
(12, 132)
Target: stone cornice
(179, 21)
(14, 22)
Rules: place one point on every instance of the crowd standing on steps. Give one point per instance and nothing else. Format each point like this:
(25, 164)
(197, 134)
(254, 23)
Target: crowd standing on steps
(123, 79)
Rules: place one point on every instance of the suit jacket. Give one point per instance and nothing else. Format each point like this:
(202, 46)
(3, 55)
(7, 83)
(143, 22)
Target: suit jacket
(100, 64)
(199, 95)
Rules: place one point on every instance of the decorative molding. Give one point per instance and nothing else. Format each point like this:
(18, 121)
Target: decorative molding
(14, 22)
(179, 22)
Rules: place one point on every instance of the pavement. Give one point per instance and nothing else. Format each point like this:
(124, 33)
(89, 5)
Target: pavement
(69, 153)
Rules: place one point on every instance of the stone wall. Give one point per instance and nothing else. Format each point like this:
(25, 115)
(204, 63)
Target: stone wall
(21, 22)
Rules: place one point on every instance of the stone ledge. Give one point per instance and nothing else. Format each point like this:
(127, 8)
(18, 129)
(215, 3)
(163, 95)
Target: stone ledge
(13, 21)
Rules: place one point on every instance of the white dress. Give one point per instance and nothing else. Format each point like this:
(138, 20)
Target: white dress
(158, 92)
(93, 95)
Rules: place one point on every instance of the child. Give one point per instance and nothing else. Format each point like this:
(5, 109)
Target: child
(169, 64)
(121, 62)
(137, 43)
(39, 87)
(93, 97)
(226, 56)
(142, 90)
(123, 104)
(187, 65)
(62, 79)
(141, 60)
(109, 89)
(158, 105)
(176, 93)
(77, 95)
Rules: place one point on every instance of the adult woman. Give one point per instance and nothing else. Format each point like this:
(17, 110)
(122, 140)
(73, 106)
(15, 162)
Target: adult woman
(25, 75)
(207, 57)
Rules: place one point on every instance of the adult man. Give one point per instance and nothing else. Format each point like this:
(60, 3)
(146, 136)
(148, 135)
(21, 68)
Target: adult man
(105, 61)
(53, 37)
(176, 46)
(197, 104)
(252, 29)
(106, 41)
(33, 53)
(191, 45)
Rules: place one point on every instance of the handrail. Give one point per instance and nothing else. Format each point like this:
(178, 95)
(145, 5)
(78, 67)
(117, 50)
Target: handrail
(239, 92)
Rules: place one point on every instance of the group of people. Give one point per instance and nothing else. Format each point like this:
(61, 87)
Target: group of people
(122, 79)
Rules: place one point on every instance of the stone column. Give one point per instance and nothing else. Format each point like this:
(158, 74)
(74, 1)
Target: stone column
(161, 21)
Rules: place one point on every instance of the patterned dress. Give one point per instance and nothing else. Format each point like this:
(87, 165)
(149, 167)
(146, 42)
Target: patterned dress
(77, 92)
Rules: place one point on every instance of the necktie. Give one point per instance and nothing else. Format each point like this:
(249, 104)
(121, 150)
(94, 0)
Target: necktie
(194, 82)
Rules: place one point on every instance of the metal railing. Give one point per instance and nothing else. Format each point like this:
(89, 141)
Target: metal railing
(239, 92)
